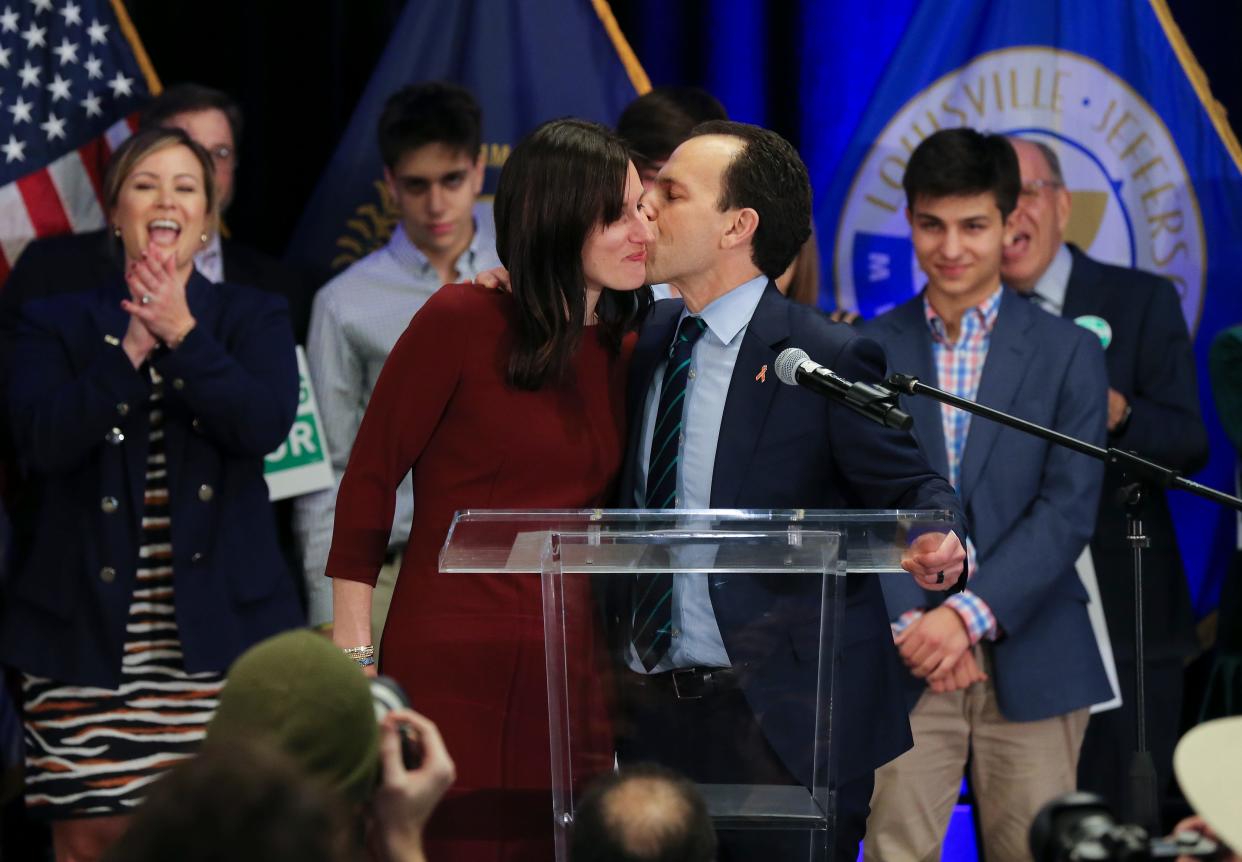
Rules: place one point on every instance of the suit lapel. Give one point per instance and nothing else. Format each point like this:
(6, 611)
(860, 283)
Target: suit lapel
(910, 352)
(654, 339)
(749, 400)
(1081, 297)
(1006, 365)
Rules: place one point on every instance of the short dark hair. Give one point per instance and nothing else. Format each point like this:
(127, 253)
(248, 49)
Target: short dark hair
(654, 124)
(242, 801)
(188, 97)
(559, 183)
(644, 813)
(435, 112)
(768, 176)
(957, 162)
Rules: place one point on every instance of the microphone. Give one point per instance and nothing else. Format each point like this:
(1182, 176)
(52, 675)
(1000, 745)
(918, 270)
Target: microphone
(878, 404)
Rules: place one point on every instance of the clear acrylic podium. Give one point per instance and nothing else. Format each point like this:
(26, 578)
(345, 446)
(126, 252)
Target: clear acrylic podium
(775, 583)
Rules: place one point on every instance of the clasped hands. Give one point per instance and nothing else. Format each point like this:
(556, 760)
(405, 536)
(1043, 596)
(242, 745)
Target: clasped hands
(936, 647)
(157, 307)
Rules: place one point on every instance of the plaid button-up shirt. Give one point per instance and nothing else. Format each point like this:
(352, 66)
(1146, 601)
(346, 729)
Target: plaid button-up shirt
(959, 367)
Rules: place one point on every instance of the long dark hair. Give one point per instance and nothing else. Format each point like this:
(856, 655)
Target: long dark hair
(559, 183)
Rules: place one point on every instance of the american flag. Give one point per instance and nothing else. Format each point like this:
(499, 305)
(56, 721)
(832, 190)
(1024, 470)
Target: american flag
(72, 73)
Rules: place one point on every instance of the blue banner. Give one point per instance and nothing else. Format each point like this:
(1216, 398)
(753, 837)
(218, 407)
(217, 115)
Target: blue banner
(1152, 165)
(526, 61)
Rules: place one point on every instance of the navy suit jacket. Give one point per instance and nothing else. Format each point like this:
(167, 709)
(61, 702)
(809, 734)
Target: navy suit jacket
(1151, 362)
(230, 396)
(784, 447)
(1031, 505)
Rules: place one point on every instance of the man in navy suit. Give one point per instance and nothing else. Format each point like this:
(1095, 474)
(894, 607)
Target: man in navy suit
(1153, 409)
(1005, 672)
(730, 209)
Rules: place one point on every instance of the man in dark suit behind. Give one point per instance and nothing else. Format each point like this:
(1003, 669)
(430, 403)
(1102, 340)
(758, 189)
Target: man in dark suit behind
(730, 209)
(1153, 409)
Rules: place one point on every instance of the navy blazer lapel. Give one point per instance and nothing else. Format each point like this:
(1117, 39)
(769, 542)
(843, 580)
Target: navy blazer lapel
(910, 352)
(112, 321)
(749, 399)
(204, 301)
(1081, 296)
(1003, 371)
(654, 338)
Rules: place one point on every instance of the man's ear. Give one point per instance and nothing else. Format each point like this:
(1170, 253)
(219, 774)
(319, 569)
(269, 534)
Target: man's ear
(391, 182)
(479, 170)
(741, 229)
(1063, 203)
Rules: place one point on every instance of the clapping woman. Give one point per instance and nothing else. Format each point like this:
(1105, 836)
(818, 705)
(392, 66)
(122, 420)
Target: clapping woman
(141, 409)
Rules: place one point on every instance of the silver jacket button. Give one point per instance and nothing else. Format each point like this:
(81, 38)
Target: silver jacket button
(108, 505)
(116, 436)
(205, 493)
(107, 574)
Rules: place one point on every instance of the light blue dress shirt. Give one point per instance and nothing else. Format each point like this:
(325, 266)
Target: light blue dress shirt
(696, 640)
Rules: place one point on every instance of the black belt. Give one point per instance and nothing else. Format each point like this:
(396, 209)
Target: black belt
(691, 683)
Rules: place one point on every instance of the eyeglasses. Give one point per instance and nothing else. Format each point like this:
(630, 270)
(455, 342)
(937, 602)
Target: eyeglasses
(222, 153)
(1034, 187)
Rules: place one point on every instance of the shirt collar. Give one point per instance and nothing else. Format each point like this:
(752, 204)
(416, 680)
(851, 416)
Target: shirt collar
(1053, 283)
(728, 315)
(208, 260)
(982, 316)
(409, 255)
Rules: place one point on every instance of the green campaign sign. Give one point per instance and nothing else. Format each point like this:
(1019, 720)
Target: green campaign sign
(301, 464)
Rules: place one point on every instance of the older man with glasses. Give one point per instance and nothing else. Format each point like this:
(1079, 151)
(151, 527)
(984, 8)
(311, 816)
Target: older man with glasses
(1153, 409)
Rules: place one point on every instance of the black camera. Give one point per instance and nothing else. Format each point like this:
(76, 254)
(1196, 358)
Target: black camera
(1078, 827)
(387, 695)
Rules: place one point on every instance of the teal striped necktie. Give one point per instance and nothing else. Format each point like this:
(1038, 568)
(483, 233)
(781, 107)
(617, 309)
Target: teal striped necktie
(653, 593)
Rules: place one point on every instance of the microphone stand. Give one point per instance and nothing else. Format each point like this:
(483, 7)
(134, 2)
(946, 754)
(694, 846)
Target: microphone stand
(1136, 473)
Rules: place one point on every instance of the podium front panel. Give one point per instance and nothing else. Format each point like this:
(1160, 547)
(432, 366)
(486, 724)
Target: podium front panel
(740, 691)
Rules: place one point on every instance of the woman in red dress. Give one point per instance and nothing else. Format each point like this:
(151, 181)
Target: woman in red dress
(498, 401)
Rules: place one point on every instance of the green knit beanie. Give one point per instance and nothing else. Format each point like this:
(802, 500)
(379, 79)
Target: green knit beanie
(303, 695)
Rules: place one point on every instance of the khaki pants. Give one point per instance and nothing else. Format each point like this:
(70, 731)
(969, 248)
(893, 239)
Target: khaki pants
(381, 599)
(1017, 767)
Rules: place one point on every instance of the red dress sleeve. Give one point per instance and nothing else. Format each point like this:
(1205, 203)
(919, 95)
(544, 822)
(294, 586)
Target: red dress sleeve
(414, 388)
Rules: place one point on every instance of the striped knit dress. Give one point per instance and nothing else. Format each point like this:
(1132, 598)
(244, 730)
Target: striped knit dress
(92, 751)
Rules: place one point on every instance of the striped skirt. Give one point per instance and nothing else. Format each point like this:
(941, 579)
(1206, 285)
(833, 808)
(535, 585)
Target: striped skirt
(92, 751)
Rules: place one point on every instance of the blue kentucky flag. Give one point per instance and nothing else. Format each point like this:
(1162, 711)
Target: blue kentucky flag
(526, 62)
(1152, 165)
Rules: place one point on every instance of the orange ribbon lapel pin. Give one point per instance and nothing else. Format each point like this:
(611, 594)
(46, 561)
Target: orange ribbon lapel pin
(762, 376)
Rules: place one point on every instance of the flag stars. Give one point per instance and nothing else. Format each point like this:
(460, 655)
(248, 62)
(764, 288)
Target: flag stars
(34, 37)
(72, 14)
(54, 126)
(4, 56)
(59, 88)
(41, 5)
(67, 52)
(8, 20)
(91, 103)
(14, 150)
(94, 66)
(29, 75)
(98, 32)
(121, 86)
(21, 111)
